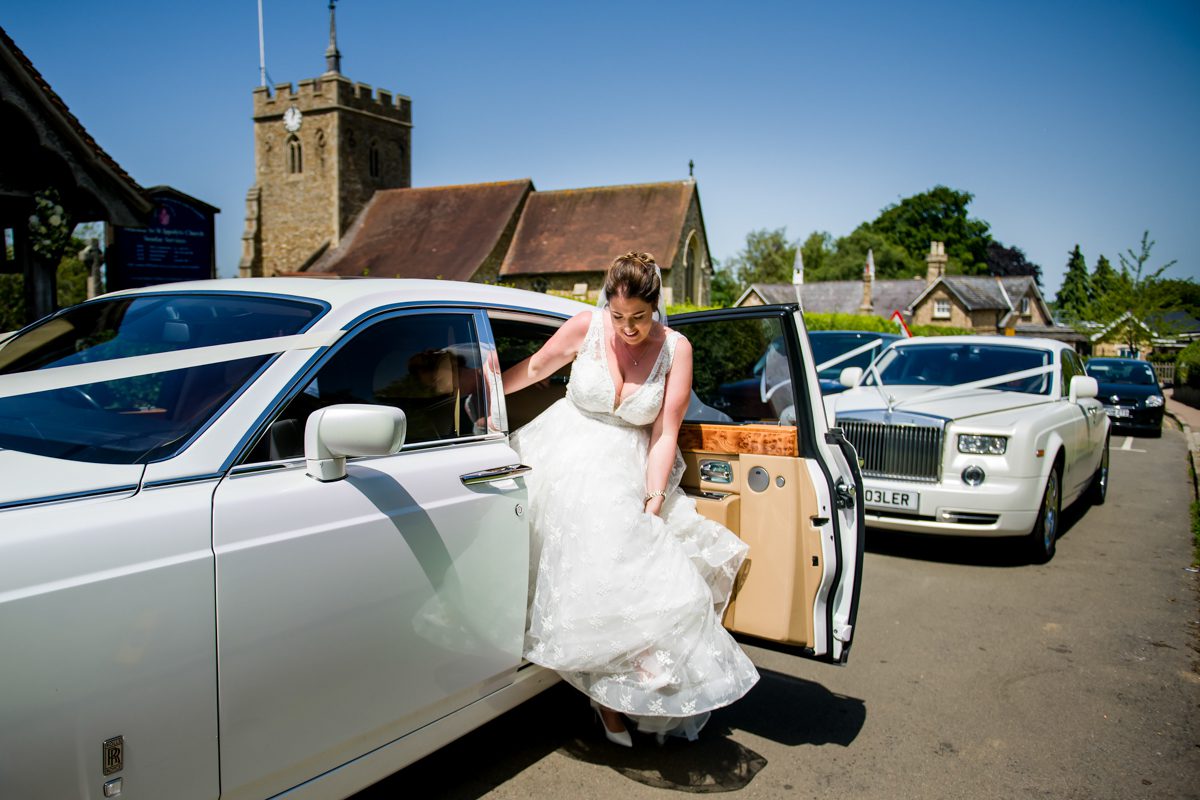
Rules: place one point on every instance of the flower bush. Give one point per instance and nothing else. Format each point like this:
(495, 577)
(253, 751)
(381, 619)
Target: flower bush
(49, 225)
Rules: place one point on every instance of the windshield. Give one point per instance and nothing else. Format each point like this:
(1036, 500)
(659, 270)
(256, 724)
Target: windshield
(952, 364)
(1133, 373)
(147, 417)
(828, 345)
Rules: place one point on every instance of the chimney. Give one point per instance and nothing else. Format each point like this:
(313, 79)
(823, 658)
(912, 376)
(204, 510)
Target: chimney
(868, 304)
(936, 261)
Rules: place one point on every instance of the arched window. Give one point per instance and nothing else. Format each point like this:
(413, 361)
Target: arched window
(295, 155)
(373, 159)
(691, 269)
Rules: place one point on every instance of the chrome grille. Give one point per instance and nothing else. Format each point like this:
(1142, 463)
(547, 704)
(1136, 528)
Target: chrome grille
(904, 452)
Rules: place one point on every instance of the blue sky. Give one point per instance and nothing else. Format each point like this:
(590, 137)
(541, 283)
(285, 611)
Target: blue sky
(1070, 122)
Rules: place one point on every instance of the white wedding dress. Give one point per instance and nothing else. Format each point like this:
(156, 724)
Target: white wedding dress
(626, 605)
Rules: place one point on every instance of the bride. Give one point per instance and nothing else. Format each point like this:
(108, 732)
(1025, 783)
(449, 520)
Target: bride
(630, 582)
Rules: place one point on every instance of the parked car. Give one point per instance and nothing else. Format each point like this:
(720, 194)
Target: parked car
(977, 436)
(1130, 392)
(267, 536)
(834, 351)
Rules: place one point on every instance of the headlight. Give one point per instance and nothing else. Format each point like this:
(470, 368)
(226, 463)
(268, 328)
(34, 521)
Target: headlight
(1154, 401)
(982, 445)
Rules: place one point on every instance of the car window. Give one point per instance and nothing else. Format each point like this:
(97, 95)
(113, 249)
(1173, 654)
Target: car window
(952, 364)
(1068, 372)
(143, 418)
(740, 372)
(427, 365)
(516, 340)
(1123, 372)
(827, 346)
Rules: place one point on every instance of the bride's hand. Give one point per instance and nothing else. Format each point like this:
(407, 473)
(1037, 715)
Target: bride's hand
(654, 505)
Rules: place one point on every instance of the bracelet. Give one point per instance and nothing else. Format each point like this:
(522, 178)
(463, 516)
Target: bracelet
(659, 493)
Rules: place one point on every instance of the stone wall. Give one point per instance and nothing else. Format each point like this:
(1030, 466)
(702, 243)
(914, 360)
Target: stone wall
(302, 212)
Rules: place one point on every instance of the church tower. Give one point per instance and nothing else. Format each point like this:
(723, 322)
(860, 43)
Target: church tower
(321, 150)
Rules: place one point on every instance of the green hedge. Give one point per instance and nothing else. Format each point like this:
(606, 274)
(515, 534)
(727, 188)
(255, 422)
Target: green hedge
(1187, 366)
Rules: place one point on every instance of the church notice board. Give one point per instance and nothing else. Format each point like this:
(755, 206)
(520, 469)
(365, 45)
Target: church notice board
(177, 245)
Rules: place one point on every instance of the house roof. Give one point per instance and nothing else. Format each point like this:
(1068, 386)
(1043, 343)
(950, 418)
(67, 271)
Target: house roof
(582, 230)
(434, 232)
(122, 199)
(984, 292)
(842, 297)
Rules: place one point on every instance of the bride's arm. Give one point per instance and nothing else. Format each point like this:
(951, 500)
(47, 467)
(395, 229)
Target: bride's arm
(557, 352)
(664, 436)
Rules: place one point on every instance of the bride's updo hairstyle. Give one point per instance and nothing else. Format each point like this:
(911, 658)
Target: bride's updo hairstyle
(634, 276)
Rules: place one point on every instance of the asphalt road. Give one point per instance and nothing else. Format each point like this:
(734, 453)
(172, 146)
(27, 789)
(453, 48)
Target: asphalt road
(973, 675)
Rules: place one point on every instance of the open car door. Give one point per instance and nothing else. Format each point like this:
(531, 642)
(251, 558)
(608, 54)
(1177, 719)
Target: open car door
(762, 460)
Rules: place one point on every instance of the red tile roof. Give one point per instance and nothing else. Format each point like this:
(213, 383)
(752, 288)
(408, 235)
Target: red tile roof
(583, 230)
(435, 232)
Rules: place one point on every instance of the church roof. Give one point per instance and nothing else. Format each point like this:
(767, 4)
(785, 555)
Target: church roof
(434, 232)
(583, 230)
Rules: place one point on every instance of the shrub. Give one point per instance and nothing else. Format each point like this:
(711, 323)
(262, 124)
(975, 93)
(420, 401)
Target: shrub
(1187, 366)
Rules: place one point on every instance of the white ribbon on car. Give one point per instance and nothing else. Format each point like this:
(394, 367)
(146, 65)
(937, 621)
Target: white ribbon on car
(50, 378)
(833, 362)
(966, 388)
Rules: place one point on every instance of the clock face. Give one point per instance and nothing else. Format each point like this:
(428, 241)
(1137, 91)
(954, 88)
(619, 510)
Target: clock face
(291, 119)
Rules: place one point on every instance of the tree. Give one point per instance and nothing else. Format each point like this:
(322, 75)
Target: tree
(816, 251)
(1073, 301)
(1106, 287)
(724, 289)
(939, 214)
(768, 257)
(850, 256)
(1003, 260)
(1144, 293)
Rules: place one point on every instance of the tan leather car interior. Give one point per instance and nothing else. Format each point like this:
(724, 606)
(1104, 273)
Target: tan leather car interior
(751, 479)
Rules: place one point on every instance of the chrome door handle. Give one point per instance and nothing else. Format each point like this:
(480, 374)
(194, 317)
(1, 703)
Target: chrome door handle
(494, 474)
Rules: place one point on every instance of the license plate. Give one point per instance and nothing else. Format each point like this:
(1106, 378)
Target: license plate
(1116, 411)
(891, 498)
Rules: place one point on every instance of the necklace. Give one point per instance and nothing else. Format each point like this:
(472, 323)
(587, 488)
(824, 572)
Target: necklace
(641, 352)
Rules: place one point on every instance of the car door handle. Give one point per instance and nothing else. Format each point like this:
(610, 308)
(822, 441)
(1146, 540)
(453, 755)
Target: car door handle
(494, 474)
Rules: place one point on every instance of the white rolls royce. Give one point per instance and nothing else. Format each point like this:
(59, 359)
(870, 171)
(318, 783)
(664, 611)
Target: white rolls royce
(976, 436)
(267, 537)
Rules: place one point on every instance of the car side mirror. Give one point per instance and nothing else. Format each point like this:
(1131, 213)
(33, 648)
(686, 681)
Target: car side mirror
(850, 376)
(1083, 387)
(331, 434)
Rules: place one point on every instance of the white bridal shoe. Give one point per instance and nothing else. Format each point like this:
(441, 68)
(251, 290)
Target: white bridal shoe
(616, 737)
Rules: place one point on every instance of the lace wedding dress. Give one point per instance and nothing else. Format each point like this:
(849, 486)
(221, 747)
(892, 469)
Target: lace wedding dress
(625, 605)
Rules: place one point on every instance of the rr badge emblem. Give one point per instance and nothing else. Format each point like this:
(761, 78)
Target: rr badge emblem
(112, 755)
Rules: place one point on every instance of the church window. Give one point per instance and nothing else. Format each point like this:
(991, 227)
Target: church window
(373, 160)
(295, 155)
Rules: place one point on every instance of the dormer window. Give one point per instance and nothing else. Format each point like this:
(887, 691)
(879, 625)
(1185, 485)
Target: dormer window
(941, 309)
(295, 155)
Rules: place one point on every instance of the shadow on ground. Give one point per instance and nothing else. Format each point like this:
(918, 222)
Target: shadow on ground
(781, 708)
(969, 550)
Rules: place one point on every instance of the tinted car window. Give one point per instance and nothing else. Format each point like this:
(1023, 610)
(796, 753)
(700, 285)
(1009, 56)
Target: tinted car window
(740, 372)
(516, 340)
(146, 417)
(1133, 373)
(827, 346)
(952, 364)
(427, 365)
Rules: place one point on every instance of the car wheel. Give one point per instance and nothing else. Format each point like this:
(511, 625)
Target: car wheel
(1098, 490)
(1041, 540)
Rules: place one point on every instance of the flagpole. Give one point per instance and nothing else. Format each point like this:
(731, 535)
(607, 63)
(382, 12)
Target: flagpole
(262, 53)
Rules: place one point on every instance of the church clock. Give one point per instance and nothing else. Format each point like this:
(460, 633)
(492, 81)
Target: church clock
(291, 119)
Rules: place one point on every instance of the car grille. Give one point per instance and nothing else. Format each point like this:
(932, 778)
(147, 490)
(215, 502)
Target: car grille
(905, 452)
